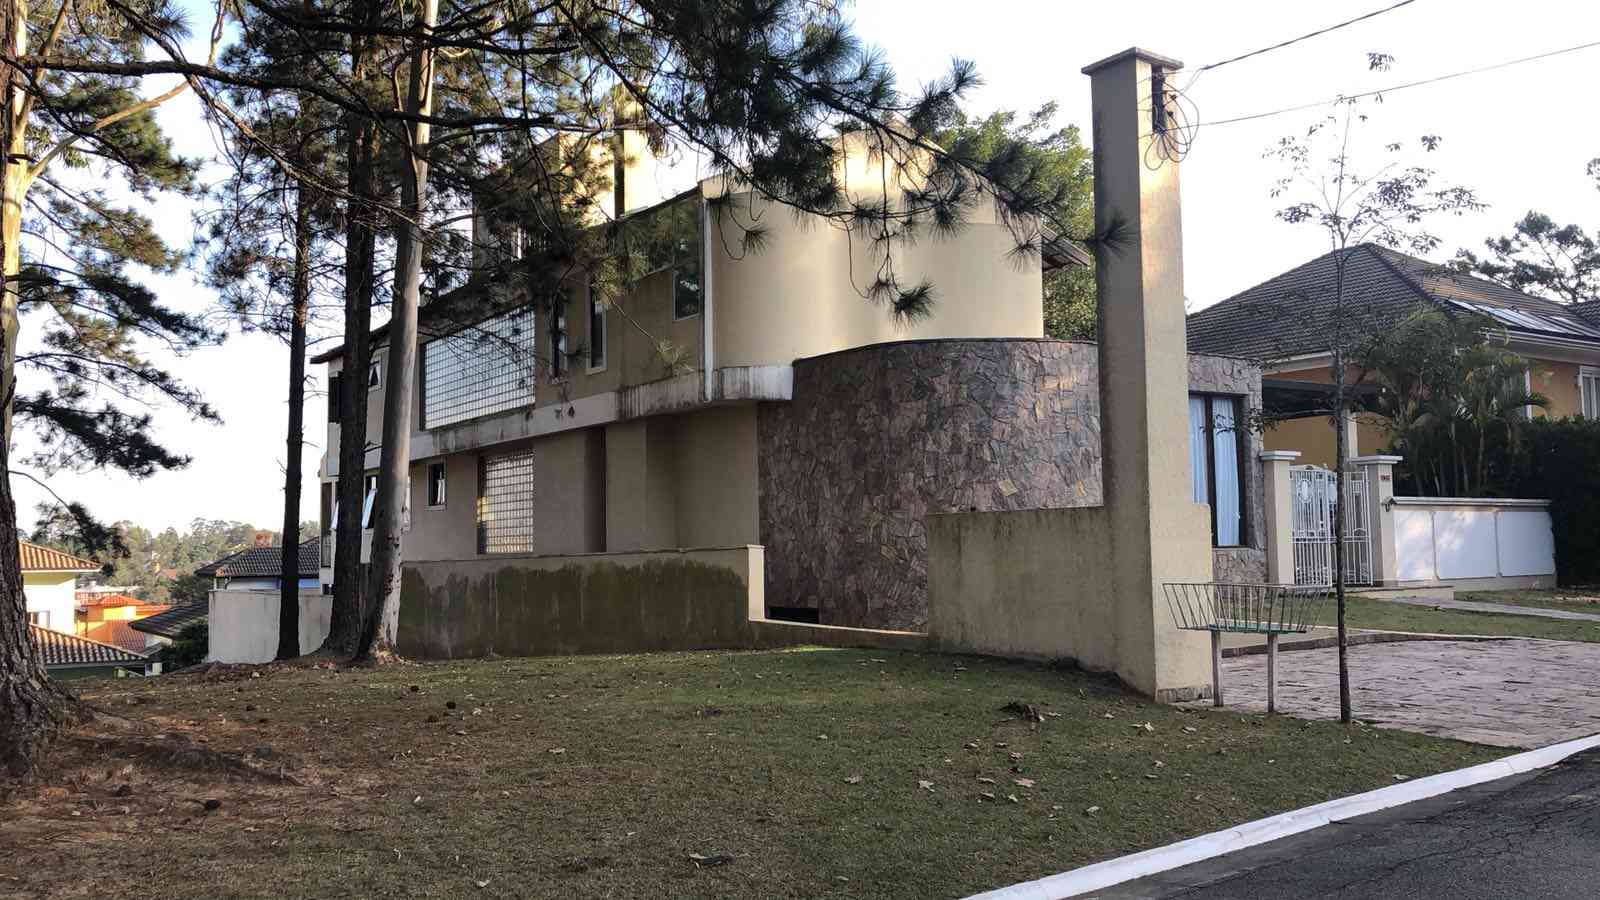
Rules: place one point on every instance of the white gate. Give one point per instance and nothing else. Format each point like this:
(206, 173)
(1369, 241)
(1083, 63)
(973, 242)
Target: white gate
(1311, 489)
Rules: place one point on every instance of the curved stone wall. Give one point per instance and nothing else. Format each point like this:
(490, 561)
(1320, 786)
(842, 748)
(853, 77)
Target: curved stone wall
(878, 437)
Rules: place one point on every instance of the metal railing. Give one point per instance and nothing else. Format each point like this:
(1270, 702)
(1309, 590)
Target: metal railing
(1268, 609)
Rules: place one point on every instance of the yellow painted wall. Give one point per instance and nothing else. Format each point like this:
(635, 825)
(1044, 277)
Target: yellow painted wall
(1559, 382)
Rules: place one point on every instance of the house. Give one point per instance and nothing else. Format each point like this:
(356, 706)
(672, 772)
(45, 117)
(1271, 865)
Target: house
(49, 578)
(260, 568)
(71, 656)
(107, 617)
(802, 421)
(1282, 322)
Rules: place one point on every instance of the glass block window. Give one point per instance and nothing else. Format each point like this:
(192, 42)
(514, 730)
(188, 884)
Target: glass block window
(481, 370)
(505, 503)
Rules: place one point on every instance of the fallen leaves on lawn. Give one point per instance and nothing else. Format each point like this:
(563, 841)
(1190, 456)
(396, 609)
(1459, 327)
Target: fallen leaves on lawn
(1023, 782)
(707, 860)
(557, 750)
(925, 785)
(1027, 711)
(1091, 810)
(853, 779)
(984, 779)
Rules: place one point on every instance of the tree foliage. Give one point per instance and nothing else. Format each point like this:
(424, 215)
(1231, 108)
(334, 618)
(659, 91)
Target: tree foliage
(1541, 257)
(1031, 150)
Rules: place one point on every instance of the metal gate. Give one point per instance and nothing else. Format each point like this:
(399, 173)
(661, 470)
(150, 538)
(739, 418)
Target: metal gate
(1311, 489)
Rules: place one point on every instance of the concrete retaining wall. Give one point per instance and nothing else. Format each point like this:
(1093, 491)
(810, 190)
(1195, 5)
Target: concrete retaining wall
(243, 624)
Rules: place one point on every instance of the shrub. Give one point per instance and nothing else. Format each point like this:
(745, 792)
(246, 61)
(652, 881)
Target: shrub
(1560, 461)
(188, 648)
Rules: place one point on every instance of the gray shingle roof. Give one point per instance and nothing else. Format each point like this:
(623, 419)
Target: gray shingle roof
(1589, 312)
(168, 624)
(263, 562)
(1293, 313)
(61, 649)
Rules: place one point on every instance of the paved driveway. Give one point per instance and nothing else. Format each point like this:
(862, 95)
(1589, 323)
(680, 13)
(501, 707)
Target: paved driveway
(1511, 693)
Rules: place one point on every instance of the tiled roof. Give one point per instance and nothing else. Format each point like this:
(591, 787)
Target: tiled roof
(1589, 312)
(36, 558)
(120, 634)
(1293, 313)
(70, 650)
(263, 562)
(168, 624)
(97, 598)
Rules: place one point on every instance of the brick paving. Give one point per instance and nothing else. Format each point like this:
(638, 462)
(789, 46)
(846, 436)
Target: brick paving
(1510, 693)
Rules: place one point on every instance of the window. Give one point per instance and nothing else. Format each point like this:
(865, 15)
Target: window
(558, 342)
(481, 370)
(375, 374)
(1589, 390)
(436, 484)
(505, 503)
(597, 331)
(40, 618)
(335, 397)
(670, 238)
(370, 485)
(1216, 464)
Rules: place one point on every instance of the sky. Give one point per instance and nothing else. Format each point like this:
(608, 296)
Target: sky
(1520, 136)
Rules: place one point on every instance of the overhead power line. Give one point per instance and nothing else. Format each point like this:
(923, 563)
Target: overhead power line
(1400, 87)
(1303, 37)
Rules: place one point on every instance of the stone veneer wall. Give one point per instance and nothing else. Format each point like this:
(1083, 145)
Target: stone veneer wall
(1240, 377)
(878, 437)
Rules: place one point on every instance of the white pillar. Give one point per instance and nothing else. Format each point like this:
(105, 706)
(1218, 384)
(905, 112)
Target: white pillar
(1279, 502)
(1159, 535)
(1379, 473)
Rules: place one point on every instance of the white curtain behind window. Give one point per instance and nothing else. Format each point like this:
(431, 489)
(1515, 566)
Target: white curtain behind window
(1197, 449)
(1225, 447)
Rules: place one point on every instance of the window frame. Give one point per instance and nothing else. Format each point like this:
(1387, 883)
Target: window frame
(375, 373)
(369, 499)
(596, 314)
(559, 371)
(39, 617)
(1240, 454)
(438, 476)
(1589, 392)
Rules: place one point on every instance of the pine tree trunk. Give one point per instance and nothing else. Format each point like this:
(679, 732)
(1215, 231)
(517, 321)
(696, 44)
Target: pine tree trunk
(294, 444)
(344, 626)
(32, 708)
(15, 177)
(381, 624)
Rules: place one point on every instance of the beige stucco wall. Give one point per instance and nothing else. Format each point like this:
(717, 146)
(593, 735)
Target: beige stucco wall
(682, 481)
(243, 625)
(1559, 382)
(799, 297)
(449, 531)
(51, 592)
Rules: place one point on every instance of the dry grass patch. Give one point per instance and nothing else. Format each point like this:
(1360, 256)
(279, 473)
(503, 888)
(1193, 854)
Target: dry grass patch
(775, 774)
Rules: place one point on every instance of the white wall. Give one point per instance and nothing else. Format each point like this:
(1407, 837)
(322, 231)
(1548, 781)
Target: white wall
(1461, 540)
(243, 625)
(52, 593)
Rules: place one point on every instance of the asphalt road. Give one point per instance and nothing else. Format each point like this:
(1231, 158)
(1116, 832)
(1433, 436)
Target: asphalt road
(1533, 835)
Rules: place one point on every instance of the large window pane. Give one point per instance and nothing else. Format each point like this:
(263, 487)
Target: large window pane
(1199, 436)
(1225, 456)
(481, 370)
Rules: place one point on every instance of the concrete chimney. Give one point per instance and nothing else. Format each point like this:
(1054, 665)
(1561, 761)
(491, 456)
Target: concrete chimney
(1158, 534)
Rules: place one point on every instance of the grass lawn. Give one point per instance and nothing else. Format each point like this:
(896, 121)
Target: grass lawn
(815, 773)
(1363, 612)
(1572, 599)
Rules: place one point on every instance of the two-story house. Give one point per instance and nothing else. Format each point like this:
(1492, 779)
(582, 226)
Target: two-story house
(793, 413)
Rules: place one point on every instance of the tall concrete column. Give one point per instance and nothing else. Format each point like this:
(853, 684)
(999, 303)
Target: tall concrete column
(1158, 534)
(1279, 522)
(1379, 473)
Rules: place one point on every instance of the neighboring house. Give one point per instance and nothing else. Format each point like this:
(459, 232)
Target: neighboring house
(1283, 323)
(70, 656)
(49, 580)
(107, 617)
(261, 568)
(802, 418)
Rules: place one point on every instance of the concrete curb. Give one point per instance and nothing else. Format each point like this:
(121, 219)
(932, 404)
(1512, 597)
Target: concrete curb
(1161, 859)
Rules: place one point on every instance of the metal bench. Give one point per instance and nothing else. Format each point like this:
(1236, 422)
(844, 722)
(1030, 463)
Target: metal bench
(1269, 609)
